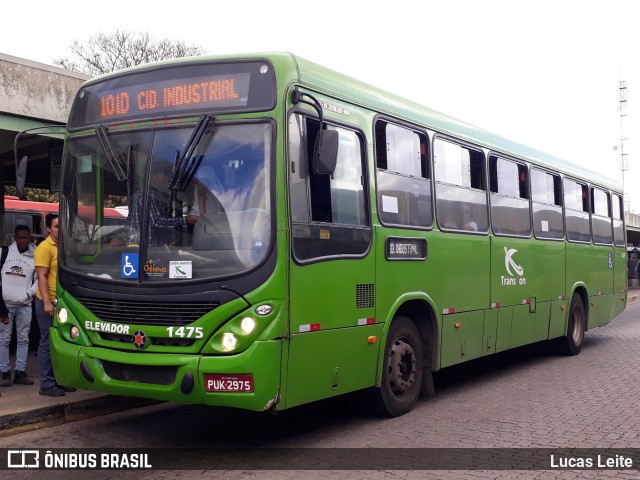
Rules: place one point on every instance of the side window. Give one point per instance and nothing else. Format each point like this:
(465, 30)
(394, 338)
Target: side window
(461, 199)
(404, 188)
(329, 212)
(546, 196)
(576, 200)
(509, 197)
(618, 221)
(600, 218)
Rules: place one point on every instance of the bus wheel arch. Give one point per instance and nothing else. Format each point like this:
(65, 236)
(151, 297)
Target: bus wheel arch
(407, 359)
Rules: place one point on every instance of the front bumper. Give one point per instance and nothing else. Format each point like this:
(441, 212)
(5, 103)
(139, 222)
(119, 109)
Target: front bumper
(172, 377)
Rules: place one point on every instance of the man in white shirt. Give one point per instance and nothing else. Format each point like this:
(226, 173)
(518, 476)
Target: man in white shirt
(19, 285)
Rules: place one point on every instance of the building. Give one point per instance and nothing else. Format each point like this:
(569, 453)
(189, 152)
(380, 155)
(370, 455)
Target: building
(34, 95)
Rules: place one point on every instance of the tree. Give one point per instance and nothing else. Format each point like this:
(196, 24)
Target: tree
(105, 53)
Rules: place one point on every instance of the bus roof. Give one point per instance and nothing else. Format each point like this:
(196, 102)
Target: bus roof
(327, 81)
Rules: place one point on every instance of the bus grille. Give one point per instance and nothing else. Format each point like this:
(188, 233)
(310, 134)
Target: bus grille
(161, 341)
(147, 313)
(140, 373)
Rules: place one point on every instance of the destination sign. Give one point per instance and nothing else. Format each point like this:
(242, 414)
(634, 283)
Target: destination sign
(405, 248)
(163, 97)
(174, 91)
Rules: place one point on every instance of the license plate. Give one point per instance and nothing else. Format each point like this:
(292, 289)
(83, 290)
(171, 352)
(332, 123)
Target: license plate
(215, 382)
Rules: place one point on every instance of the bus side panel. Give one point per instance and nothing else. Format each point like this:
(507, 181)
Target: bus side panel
(328, 301)
(542, 319)
(461, 337)
(332, 362)
(456, 272)
(619, 281)
(558, 319)
(503, 336)
(530, 323)
(600, 307)
(522, 326)
(522, 269)
(591, 264)
(524, 279)
(490, 331)
(579, 267)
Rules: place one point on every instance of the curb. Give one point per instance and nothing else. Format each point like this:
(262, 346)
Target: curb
(57, 414)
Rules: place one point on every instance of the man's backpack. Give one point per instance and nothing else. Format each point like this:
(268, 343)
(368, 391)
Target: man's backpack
(3, 258)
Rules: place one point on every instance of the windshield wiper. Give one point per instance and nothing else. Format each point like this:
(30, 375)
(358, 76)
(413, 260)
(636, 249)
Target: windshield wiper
(186, 165)
(118, 170)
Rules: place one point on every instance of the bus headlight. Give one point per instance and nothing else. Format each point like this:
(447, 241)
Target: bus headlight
(247, 325)
(74, 332)
(229, 341)
(63, 315)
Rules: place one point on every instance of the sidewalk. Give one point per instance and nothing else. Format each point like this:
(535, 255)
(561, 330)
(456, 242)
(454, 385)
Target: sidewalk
(22, 408)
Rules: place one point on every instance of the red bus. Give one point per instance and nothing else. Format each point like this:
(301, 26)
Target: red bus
(25, 212)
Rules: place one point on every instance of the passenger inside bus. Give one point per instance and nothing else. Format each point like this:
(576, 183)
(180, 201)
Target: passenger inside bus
(448, 219)
(467, 222)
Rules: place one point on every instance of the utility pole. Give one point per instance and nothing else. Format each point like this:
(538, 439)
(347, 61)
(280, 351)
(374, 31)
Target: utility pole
(624, 164)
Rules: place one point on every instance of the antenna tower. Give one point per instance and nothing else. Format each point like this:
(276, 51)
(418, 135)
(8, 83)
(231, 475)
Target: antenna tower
(622, 109)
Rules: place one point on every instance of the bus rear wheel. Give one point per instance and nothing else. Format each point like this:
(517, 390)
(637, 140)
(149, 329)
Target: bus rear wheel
(402, 369)
(576, 326)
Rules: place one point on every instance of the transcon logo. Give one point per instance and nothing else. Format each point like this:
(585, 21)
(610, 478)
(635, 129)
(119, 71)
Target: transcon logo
(508, 262)
(512, 269)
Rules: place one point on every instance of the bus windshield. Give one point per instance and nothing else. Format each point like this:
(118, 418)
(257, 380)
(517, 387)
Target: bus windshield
(215, 221)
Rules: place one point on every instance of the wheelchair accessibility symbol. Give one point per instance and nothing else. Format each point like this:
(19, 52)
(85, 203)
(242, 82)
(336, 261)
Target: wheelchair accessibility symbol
(129, 265)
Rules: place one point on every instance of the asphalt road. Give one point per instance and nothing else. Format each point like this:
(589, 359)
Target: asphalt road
(528, 399)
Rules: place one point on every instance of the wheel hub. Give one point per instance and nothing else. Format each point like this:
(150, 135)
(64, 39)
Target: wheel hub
(402, 367)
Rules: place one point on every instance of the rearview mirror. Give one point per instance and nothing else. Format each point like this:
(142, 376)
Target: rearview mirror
(325, 155)
(21, 177)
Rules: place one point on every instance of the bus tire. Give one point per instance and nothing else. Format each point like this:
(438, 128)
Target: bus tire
(576, 326)
(402, 369)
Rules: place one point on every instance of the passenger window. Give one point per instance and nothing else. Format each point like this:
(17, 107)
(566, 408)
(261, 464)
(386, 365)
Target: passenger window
(600, 218)
(404, 188)
(509, 197)
(618, 221)
(329, 212)
(546, 196)
(577, 211)
(461, 199)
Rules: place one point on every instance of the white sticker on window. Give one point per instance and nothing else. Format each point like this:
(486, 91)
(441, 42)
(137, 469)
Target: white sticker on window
(544, 225)
(180, 269)
(389, 204)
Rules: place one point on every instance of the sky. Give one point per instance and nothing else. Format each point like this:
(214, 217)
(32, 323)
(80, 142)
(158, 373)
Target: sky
(544, 73)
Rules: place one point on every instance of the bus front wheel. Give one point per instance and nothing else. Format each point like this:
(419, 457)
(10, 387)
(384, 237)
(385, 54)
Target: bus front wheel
(402, 369)
(576, 327)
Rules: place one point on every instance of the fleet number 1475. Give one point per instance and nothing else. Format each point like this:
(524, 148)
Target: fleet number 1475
(185, 332)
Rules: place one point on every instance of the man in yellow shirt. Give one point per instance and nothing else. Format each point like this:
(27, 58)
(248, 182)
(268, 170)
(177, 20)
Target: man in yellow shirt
(46, 263)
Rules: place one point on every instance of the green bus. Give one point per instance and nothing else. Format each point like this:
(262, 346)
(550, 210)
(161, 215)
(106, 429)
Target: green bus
(294, 234)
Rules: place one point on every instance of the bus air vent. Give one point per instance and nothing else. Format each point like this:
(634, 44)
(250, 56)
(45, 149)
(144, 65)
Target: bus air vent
(365, 295)
(147, 313)
(164, 375)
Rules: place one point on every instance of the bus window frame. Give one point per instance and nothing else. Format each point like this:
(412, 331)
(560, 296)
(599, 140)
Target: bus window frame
(586, 184)
(429, 178)
(595, 216)
(528, 192)
(485, 184)
(314, 224)
(559, 176)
